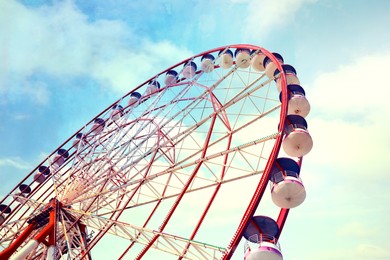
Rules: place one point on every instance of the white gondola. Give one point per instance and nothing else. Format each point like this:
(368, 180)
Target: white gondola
(243, 58)
(24, 189)
(297, 101)
(134, 99)
(44, 170)
(4, 210)
(291, 79)
(297, 141)
(287, 188)
(207, 63)
(270, 66)
(170, 78)
(58, 161)
(265, 251)
(257, 62)
(98, 126)
(152, 88)
(59, 158)
(41, 174)
(39, 177)
(77, 140)
(189, 70)
(262, 231)
(116, 112)
(226, 59)
(291, 76)
(298, 105)
(288, 193)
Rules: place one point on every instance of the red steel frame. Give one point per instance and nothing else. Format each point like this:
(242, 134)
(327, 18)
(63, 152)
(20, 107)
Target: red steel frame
(49, 230)
(250, 211)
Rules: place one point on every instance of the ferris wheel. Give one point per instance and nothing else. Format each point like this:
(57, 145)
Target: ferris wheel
(178, 168)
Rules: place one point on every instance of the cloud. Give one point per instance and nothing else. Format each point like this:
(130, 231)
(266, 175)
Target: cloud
(365, 251)
(347, 123)
(264, 16)
(129, 68)
(38, 91)
(14, 162)
(356, 229)
(351, 147)
(60, 41)
(358, 252)
(21, 117)
(354, 91)
(345, 174)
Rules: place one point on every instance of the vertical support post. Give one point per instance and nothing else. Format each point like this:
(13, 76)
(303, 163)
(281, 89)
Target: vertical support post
(6, 253)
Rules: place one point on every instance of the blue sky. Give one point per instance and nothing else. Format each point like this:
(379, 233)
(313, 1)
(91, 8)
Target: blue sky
(62, 62)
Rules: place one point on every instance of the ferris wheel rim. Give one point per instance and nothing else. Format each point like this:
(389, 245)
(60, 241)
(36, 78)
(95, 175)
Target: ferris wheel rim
(270, 161)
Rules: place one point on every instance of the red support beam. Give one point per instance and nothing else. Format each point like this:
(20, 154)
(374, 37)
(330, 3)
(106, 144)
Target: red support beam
(253, 204)
(40, 237)
(6, 253)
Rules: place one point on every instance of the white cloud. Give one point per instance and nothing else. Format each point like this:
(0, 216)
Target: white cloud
(358, 252)
(21, 117)
(14, 162)
(354, 91)
(356, 229)
(38, 92)
(266, 15)
(348, 118)
(365, 251)
(129, 68)
(345, 174)
(353, 148)
(348, 125)
(60, 41)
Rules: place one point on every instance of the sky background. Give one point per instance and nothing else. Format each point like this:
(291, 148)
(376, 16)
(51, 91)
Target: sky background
(62, 62)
